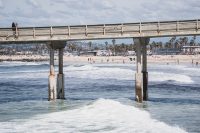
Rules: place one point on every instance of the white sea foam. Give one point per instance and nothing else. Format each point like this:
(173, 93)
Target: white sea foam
(80, 68)
(161, 76)
(95, 72)
(91, 72)
(19, 63)
(102, 116)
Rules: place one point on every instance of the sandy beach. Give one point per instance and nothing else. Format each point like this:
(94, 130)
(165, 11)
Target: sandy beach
(195, 59)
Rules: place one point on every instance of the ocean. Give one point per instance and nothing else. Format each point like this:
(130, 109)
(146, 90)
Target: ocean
(99, 99)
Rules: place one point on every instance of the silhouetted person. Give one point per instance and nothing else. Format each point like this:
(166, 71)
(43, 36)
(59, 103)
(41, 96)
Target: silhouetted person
(13, 26)
(14, 29)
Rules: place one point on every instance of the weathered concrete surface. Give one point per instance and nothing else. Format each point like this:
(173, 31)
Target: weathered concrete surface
(138, 87)
(52, 87)
(60, 76)
(60, 86)
(145, 86)
(52, 82)
(144, 42)
(138, 75)
(56, 44)
(141, 78)
(56, 90)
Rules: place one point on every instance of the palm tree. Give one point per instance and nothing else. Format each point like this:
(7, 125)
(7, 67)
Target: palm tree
(106, 43)
(177, 44)
(123, 48)
(152, 45)
(185, 40)
(192, 43)
(114, 41)
(90, 45)
(171, 42)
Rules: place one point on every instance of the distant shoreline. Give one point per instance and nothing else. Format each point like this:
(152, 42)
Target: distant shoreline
(106, 59)
(23, 58)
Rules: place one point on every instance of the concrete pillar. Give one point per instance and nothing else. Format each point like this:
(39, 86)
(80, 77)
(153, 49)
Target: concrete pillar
(145, 42)
(138, 75)
(141, 76)
(56, 90)
(52, 92)
(60, 76)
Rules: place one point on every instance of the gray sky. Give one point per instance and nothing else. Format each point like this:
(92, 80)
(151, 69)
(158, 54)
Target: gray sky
(73, 12)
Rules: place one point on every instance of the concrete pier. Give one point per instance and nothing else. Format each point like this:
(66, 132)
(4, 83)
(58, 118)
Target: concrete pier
(60, 76)
(56, 37)
(141, 76)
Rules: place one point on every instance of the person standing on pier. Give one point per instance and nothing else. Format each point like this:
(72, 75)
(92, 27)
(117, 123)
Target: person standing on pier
(14, 29)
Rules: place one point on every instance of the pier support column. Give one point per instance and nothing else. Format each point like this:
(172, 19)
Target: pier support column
(60, 76)
(145, 42)
(141, 76)
(56, 91)
(52, 91)
(138, 75)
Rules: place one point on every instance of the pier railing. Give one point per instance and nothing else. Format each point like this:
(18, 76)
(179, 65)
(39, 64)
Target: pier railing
(101, 31)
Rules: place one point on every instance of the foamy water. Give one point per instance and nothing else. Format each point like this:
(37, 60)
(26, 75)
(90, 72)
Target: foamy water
(19, 63)
(173, 105)
(94, 72)
(102, 116)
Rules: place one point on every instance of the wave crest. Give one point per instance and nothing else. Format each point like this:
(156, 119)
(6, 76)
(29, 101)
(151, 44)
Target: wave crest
(102, 116)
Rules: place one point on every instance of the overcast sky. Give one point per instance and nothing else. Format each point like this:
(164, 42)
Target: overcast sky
(73, 12)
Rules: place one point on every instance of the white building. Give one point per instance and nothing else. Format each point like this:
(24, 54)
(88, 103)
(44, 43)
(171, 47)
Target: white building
(191, 49)
(104, 53)
(131, 53)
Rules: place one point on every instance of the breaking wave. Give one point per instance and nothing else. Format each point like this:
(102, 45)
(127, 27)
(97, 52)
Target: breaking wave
(102, 116)
(96, 72)
(93, 72)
